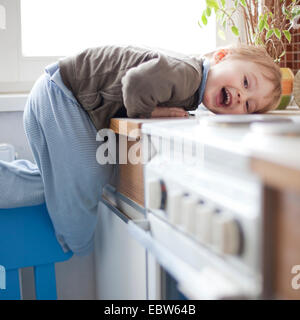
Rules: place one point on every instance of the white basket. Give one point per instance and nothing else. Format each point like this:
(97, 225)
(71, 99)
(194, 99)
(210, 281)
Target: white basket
(7, 152)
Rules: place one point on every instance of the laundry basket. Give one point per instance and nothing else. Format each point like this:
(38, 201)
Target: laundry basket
(27, 239)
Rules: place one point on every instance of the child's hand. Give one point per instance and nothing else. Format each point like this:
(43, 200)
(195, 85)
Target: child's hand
(160, 112)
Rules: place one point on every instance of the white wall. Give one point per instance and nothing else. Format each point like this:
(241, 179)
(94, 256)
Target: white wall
(75, 278)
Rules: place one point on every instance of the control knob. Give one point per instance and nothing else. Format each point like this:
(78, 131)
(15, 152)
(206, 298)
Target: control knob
(203, 222)
(156, 194)
(174, 207)
(227, 234)
(188, 213)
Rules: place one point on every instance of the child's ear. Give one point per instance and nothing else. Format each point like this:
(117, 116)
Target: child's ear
(220, 55)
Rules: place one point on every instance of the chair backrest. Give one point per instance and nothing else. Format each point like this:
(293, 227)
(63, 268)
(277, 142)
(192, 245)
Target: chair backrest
(27, 238)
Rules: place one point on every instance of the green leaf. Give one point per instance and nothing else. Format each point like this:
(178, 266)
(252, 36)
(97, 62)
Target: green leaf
(223, 2)
(287, 35)
(235, 31)
(269, 33)
(224, 24)
(261, 24)
(277, 33)
(212, 4)
(266, 26)
(208, 11)
(203, 18)
(221, 34)
(243, 3)
(199, 24)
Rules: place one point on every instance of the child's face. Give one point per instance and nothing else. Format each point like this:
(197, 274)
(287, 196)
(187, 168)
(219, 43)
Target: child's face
(236, 86)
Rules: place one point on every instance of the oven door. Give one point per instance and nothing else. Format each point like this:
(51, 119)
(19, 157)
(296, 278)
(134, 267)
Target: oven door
(194, 272)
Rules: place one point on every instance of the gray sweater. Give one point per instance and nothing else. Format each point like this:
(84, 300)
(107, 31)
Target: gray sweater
(105, 79)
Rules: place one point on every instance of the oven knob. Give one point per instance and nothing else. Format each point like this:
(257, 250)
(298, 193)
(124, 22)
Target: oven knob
(156, 194)
(203, 222)
(227, 235)
(174, 207)
(188, 208)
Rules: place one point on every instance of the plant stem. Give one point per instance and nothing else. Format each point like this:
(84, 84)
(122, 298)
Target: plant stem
(246, 27)
(250, 16)
(229, 16)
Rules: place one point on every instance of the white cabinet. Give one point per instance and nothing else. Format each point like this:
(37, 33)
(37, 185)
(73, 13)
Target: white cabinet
(120, 259)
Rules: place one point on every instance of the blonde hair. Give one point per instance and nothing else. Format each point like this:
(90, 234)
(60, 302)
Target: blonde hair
(259, 55)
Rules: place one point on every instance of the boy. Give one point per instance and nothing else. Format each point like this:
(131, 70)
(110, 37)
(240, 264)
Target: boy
(79, 95)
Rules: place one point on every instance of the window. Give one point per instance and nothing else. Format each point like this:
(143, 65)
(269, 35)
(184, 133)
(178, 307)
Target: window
(67, 26)
(39, 32)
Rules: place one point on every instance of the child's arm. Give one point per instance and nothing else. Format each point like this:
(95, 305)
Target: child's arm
(159, 81)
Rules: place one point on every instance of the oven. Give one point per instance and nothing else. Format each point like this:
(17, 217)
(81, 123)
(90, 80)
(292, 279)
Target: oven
(200, 233)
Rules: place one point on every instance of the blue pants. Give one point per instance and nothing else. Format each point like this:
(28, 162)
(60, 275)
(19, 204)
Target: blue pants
(66, 174)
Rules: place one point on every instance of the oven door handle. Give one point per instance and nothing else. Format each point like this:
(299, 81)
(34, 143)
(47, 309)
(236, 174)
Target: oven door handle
(196, 284)
(123, 207)
(115, 210)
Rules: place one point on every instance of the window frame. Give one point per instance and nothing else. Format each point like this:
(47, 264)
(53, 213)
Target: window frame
(18, 72)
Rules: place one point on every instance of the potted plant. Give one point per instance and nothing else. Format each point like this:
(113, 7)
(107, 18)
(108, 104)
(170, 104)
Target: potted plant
(265, 23)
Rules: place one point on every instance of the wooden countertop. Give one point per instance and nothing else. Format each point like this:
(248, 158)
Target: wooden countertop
(131, 126)
(127, 127)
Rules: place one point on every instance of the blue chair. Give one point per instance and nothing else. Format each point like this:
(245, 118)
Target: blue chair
(27, 239)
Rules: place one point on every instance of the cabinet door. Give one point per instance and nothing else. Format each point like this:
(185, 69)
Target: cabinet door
(120, 260)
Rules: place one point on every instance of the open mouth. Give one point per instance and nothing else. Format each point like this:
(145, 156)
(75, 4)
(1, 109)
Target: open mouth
(224, 98)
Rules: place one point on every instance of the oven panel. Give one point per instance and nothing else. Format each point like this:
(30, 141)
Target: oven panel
(207, 215)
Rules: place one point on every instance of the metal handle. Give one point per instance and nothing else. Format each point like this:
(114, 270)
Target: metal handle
(114, 209)
(118, 203)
